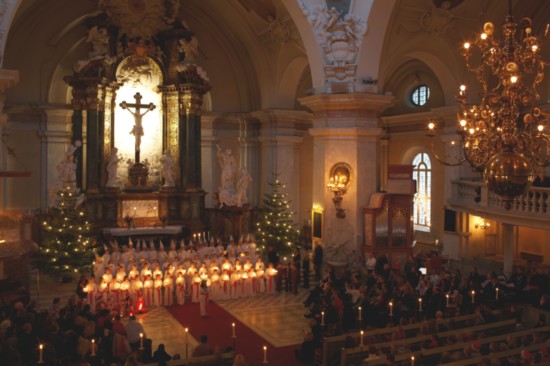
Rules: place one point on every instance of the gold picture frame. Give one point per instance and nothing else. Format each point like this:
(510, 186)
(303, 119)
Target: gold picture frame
(317, 224)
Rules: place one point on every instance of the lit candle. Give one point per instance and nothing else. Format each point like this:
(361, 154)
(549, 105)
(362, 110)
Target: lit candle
(41, 353)
(322, 318)
(412, 360)
(419, 304)
(233, 326)
(265, 354)
(473, 297)
(362, 333)
(497, 289)
(447, 296)
(92, 347)
(360, 315)
(391, 308)
(140, 340)
(186, 343)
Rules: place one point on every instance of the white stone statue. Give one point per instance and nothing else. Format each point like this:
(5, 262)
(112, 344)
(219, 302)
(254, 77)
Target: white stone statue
(242, 187)
(66, 169)
(189, 48)
(227, 193)
(66, 175)
(112, 168)
(98, 38)
(167, 169)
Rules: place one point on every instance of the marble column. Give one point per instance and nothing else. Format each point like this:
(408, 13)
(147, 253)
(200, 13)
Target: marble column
(191, 91)
(93, 120)
(345, 129)
(77, 102)
(507, 235)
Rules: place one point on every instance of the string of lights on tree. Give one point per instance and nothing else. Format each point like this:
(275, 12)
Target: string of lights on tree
(66, 247)
(276, 226)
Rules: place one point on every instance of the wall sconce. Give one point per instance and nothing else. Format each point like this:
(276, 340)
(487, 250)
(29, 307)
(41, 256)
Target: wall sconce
(339, 180)
(482, 224)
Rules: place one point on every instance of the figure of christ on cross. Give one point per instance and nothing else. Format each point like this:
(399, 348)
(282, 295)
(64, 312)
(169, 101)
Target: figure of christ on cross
(137, 130)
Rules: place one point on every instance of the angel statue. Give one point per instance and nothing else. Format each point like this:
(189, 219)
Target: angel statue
(167, 168)
(112, 168)
(190, 48)
(242, 187)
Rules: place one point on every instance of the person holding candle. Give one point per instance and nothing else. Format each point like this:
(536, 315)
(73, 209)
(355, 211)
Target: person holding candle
(203, 298)
(168, 284)
(133, 330)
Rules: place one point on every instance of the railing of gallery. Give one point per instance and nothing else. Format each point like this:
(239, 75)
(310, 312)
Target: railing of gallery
(474, 194)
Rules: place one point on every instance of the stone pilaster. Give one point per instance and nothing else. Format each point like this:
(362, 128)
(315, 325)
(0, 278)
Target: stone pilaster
(280, 137)
(53, 144)
(507, 235)
(209, 159)
(249, 153)
(345, 129)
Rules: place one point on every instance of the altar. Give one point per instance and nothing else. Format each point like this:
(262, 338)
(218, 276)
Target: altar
(142, 231)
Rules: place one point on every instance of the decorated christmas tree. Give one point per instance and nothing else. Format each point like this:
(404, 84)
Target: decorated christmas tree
(65, 248)
(275, 226)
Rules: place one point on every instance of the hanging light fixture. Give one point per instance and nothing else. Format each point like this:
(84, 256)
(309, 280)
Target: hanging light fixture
(504, 136)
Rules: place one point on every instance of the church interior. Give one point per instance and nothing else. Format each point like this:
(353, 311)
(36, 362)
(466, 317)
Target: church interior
(413, 130)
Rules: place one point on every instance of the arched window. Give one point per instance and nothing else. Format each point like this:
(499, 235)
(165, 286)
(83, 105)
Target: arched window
(422, 173)
(420, 95)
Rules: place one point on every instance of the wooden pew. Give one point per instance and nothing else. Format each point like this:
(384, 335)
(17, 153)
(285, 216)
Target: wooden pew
(500, 355)
(332, 345)
(211, 360)
(461, 345)
(355, 355)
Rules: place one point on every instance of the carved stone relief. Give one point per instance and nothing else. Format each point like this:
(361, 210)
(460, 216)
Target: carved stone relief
(340, 36)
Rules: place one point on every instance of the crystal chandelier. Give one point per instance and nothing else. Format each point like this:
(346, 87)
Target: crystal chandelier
(504, 135)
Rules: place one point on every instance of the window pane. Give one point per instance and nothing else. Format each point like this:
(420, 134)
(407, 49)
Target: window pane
(422, 202)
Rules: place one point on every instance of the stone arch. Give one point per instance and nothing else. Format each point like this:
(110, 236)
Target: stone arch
(290, 80)
(6, 18)
(436, 58)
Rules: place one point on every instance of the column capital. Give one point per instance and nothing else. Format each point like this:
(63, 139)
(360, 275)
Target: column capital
(345, 132)
(8, 78)
(355, 109)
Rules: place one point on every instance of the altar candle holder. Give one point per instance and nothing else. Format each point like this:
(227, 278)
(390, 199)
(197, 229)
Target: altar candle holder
(391, 308)
(420, 304)
(473, 294)
(141, 341)
(322, 318)
(265, 355)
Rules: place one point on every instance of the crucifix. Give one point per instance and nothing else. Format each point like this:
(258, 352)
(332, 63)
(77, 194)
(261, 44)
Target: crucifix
(137, 130)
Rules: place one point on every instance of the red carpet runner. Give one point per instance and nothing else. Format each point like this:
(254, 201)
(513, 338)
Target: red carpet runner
(217, 326)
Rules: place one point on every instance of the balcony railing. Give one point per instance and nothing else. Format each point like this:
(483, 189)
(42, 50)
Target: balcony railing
(474, 196)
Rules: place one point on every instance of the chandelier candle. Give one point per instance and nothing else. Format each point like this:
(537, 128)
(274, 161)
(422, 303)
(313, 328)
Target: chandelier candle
(504, 135)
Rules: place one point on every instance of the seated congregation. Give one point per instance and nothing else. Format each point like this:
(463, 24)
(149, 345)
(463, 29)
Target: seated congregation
(395, 315)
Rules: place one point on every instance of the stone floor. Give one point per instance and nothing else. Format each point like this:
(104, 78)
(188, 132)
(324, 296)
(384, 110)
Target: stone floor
(278, 318)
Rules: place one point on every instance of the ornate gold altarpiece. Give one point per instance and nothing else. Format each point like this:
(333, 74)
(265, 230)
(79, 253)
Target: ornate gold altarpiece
(127, 48)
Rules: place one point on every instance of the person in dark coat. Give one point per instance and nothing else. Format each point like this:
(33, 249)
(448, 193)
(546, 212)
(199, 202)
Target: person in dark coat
(305, 269)
(318, 261)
